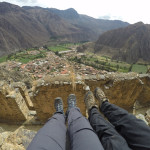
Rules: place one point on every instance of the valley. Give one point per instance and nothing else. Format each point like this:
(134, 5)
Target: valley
(68, 54)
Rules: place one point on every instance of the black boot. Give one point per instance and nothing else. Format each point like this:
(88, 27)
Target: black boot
(59, 105)
(71, 101)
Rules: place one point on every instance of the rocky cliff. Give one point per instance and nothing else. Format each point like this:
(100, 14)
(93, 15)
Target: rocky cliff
(30, 107)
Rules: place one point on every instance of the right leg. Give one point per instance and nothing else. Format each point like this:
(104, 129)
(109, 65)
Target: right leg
(82, 136)
(110, 138)
(135, 131)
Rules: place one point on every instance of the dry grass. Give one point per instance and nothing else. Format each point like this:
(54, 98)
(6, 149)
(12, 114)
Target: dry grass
(73, 78)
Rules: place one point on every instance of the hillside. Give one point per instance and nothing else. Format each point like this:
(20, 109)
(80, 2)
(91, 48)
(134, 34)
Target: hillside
(56, 26)
(18, 29)
(130, 44)
(92, 25)
(24, 27)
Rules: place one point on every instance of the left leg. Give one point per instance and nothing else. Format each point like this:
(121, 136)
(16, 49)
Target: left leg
(52, 136)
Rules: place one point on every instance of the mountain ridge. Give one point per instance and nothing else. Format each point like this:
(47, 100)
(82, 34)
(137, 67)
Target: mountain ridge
(96, 26)
(25, 27)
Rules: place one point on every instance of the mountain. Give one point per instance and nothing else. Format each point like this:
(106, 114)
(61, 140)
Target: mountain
(18, 29)
(95, 26)
(129, 44)
(57, 27)
(24, 27)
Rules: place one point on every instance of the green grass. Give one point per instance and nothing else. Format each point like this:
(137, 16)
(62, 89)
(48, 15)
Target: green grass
(27, 58)
(62, 47)
(139, 68)
(103, 63)
(3, 59)
(23, 57)
(57, 48)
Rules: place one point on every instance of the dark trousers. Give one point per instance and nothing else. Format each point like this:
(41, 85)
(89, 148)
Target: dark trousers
(53, 134)
(125, 128)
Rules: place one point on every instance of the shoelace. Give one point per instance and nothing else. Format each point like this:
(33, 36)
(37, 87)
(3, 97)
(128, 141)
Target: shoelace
(72, 103)
(59, 107)
(90, 97)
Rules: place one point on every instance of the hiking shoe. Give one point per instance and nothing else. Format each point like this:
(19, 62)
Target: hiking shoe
(71, 101)
(59, 105)
(100, 95)
(89, 100)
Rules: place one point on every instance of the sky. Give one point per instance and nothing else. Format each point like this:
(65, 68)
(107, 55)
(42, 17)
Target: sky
(131, 11)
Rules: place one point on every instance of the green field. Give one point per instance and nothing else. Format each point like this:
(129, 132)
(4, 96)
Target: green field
(103, 63)
(58, 48)
(139, 68)
(25, 57)
(3, 59)
(106, 63)
(62, 47)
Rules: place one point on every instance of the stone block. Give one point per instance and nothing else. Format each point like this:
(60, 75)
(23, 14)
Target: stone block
(13, 106)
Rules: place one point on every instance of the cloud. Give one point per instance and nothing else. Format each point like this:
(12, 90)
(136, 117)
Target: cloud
(27, 1)
(110, 17)
(22, 2)
(19, 1)
(105, 17)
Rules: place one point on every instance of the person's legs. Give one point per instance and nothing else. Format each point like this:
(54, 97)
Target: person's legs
(52, 136)
(135, 131)
(82, 136)
(109, 137)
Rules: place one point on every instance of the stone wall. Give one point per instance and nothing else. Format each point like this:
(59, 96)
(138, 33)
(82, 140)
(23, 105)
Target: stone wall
(13, 108)
(19, 104)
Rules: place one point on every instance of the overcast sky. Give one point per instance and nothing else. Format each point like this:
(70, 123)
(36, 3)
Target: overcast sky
(131, 11)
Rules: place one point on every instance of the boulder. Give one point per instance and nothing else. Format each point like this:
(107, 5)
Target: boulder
(148, 116)
(142, 117)
(13, 106)
(18, 140)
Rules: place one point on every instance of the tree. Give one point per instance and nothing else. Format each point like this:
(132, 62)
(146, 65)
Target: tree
(117, 66)
(130, 68)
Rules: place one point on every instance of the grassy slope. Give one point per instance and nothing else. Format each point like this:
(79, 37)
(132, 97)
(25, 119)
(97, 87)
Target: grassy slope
(139, 68)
